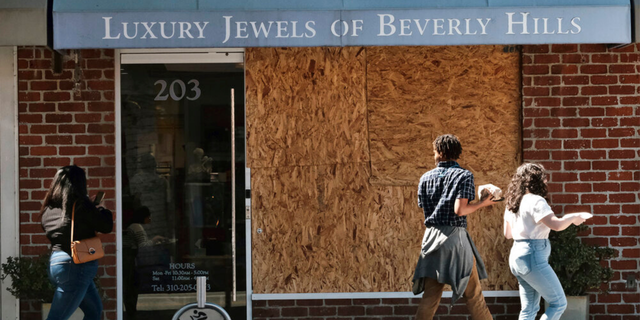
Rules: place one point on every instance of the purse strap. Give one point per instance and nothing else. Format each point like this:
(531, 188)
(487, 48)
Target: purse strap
(73, 215)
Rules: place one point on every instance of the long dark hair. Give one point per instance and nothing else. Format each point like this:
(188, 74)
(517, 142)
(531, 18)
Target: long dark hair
(68, 185)
(529, 177)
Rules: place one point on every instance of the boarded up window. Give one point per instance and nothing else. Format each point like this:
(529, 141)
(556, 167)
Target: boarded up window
(337, 141)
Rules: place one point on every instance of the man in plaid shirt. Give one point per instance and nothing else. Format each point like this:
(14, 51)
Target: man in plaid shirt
(448, 255)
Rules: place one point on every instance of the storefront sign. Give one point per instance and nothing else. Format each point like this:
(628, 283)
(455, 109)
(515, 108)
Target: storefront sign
(450, 26)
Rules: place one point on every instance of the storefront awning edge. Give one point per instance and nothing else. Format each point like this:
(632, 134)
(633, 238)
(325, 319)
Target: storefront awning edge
(443, 26)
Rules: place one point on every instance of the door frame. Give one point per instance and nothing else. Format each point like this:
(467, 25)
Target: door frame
(9, 171)
(156, 56)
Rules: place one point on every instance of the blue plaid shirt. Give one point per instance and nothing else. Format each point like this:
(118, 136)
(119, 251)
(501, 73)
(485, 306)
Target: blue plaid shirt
(438, 191)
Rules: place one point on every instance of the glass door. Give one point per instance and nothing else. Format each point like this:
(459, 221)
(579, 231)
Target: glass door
(178, 167)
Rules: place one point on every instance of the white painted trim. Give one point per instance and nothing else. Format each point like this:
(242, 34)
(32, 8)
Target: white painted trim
(158, 56)
(182, 50)
(363, 295)
(248, 280)
(9, 187)
(498, 294)
(119, 271)
(247, 186)
(181, 58)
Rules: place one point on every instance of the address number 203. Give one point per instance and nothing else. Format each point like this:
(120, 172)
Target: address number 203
(164, 94)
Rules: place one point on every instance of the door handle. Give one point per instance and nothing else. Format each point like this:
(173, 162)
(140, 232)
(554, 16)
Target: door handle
(233, 191)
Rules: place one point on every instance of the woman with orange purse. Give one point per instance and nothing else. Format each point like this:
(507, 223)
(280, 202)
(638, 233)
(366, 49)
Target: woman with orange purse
(66, 213)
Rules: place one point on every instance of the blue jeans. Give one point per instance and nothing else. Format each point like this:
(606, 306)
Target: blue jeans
(529, 262)
(74, 288)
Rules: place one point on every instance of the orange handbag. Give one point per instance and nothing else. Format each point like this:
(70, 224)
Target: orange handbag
(84, 250)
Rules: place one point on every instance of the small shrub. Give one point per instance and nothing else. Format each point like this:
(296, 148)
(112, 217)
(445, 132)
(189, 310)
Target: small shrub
(29, 278)
(578, 265)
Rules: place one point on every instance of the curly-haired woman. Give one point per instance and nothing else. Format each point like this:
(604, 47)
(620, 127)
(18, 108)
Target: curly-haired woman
(528, 220)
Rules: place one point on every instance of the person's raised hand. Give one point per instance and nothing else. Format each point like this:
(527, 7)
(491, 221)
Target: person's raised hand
(577, 220)
(488, 201)
(585, 215)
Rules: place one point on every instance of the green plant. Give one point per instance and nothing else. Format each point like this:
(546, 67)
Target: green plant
(30, 280)
(578, 265)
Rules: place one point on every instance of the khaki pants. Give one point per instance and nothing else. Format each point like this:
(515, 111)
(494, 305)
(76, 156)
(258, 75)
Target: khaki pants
(473, 295)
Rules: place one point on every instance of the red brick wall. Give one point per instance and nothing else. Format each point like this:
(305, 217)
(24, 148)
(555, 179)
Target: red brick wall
(364, 309)
(582, 121)
(65, 118)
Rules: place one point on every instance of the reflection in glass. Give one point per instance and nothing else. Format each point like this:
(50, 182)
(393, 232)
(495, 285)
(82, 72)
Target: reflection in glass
(176, 186)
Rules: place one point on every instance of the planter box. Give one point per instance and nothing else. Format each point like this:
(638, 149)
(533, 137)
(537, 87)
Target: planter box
(577, 308)
(78, 315)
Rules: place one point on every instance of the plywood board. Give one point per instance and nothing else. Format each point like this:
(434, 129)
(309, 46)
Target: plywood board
(337, 140)
(418, 93)
(305, 106)
(334, 233)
